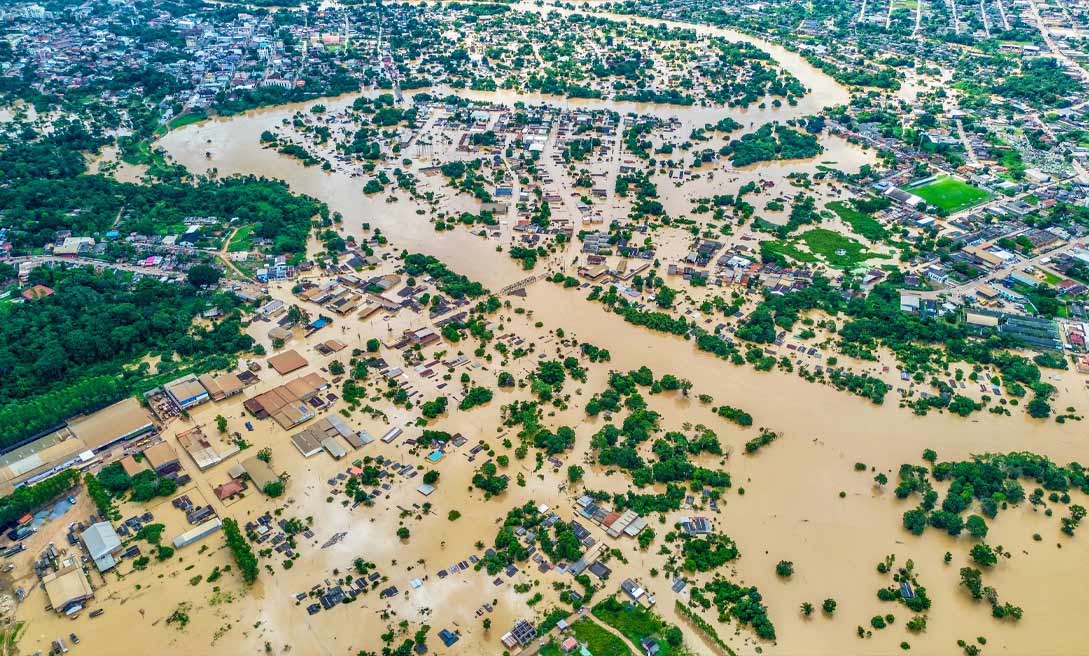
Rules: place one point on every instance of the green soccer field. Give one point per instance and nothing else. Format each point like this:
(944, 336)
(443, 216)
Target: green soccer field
(950, 194)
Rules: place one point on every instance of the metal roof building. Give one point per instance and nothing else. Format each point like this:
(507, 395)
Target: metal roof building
(186, 392)
(67, 588)
(197, 532)
(334, 448)
(102, 544)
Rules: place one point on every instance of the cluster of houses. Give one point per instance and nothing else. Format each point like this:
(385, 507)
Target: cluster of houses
(217, 56)
(63, 575)
(615, 524)
(997, 240)
(187, 392)
(361, 296)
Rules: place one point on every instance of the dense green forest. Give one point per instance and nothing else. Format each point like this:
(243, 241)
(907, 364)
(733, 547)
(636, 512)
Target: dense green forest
(771, 142)
(454, 284)
(76, 351)
(1041, 82)
(49, 190)
(67, 353)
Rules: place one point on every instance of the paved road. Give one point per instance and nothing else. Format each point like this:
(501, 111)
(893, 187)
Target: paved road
(1002, 12)
(967, 145)
(84, 261)
(1001, 273)
(1055, 52)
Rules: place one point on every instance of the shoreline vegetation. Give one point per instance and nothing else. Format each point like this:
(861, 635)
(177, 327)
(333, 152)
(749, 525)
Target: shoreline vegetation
(875, 323)
(708, 631)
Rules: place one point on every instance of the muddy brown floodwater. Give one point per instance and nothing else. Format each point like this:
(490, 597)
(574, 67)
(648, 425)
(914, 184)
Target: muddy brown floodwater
(791, 508)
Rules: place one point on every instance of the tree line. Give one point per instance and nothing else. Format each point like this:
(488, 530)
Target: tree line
(73, 351)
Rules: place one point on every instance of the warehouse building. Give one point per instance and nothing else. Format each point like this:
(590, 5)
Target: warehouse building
(67, 588)
(186, 392)
(163, 459)
(287, 403)
(259, 471)
(286, 362)
(197, 533)
(221, 387)
(103, 545)
(77, 444)
(120, 422)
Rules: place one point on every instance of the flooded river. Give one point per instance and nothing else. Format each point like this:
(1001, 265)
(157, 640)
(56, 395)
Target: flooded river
(791, 508)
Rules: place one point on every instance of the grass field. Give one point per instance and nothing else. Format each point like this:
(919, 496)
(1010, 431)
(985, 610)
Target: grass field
(1051, 278)
(950, 194)
(636, 623)
(550, 649)
(187, 119)
(789, 249)
(241, 240)
(860, 222)
(837, 250)
(599, 641)
(828, 245)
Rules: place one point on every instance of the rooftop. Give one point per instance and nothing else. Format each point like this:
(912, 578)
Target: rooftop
(67, 586)
(186, 391)
(259, 471)
(102, 543)
(286, 362)
(160, 454)
(118, 421)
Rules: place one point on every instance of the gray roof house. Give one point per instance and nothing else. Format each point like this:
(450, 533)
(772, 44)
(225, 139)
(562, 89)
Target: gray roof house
(102, 544)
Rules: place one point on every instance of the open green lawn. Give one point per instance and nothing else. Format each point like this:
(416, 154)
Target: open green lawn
(789, 249)
(551, 649)
(834, 248)
(599, 641)
(950, 194)
(241, 240)
(829, 244)
(636, 623)
(187, 119)
(1051, 278)
(860, 222)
